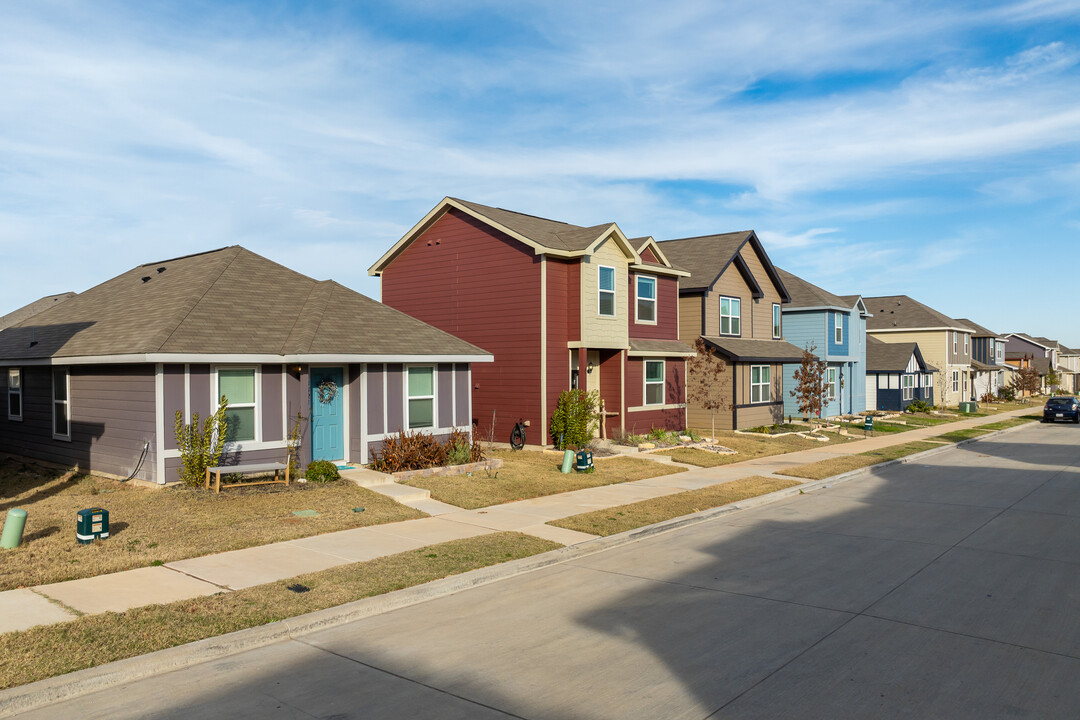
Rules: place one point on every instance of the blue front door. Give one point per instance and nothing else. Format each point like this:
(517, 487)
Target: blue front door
(327, 417)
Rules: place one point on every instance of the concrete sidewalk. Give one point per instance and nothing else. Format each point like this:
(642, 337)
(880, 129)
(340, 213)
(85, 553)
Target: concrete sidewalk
(45, 604)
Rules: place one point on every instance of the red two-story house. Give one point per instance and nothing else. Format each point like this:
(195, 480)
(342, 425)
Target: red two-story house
(559, 306)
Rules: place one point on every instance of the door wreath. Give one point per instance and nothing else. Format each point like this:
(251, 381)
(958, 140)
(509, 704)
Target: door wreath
(327, 391)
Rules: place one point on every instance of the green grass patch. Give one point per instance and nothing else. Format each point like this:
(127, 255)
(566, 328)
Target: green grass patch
(92, 640)
(648, 512)
(697, 456)
(837, 466)
(962, 434)
(528, 474)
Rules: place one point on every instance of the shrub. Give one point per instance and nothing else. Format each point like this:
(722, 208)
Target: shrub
(321, 471)
(918, 406)
(418, 451)
(200, 448)
(658, 434)
(1007, 393)
(575, 419)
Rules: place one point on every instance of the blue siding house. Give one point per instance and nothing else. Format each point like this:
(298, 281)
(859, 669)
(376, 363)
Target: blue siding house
(835, 327)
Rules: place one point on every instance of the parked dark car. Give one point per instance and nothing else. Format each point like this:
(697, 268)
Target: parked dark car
(1062, 408)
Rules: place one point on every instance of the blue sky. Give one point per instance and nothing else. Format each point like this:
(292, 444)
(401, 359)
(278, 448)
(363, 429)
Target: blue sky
(930, 149)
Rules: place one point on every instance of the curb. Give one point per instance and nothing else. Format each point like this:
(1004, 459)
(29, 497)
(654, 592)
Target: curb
(82, 682)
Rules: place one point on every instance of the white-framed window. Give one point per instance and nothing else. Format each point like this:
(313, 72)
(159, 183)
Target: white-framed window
(606, 290)
(776, 327)
(730, 316)
(954, 342)
(830, 384)
(965, 344)
(838, 328)
(646, 299)
(654, 382)
(760, 383)
(421, 392)
(14, 393)
(956, 381)
(61, 403)
(238, 385)
(928, 381)
(908, 387)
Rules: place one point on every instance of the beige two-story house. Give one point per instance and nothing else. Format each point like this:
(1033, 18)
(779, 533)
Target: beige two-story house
(732, 300)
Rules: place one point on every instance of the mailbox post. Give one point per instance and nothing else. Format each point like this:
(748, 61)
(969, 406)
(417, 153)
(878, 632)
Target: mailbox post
(868, 426)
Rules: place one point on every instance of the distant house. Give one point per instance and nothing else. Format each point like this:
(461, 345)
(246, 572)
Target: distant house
(561, 306)
(732, 300)
(835, 326)
(944, 342)
(96, 380)
(1039, 353)
(897, 375)
(987, 361)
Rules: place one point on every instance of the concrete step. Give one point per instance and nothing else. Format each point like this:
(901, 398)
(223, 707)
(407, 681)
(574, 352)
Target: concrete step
(367, 478)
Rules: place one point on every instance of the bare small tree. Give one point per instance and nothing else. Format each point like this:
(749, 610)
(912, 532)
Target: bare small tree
(1026, 379)
(810, 384)
(706, 381)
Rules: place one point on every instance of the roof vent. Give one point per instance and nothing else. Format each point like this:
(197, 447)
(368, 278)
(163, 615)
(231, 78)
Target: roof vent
(160, 270)
(146, 278)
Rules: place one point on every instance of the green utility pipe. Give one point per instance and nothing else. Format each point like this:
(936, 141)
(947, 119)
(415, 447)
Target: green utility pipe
(13, 527)
(567, 461)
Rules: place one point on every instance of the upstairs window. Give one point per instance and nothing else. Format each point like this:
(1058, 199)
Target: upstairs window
(421, 397)
(730, 316)
(61, 404)
(238, 387)
(965, 344)
(14, 390)
(838, 328)
(654, 382)
(954, 342)
(776, 321)
(646, 299)
(606, 284)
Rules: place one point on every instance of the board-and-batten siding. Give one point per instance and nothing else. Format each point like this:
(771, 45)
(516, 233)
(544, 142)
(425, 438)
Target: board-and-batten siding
(482, 286)
(112, 416)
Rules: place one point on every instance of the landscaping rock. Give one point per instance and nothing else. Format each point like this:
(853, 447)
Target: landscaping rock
(646, 446)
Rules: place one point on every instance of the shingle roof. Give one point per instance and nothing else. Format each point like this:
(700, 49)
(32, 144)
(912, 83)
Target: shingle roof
(704, 257)
(17, 316)
(748, 350)
(893, 312)
(890, 357)
(227, 301)
(980, 331)
(806, 294)
(671, 347)
(549, 233)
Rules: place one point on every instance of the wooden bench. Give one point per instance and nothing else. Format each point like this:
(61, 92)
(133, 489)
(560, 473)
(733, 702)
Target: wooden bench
(248, 468)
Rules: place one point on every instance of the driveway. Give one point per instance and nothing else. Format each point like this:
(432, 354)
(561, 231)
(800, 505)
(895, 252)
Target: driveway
(949, 588)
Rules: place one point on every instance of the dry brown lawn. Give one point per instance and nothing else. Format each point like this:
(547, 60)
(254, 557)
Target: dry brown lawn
(149, 526)
(748, 447)
(837, 466)
(92, 640)
(648, 512)
(528, 474)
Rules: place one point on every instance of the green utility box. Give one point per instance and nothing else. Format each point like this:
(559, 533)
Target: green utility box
(968, 407)
(584, 460)
(92, 524)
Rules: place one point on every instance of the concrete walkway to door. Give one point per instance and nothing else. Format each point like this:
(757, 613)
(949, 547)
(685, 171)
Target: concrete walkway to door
(237, 569)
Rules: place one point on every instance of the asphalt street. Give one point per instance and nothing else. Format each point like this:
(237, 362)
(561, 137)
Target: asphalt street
(947, 588)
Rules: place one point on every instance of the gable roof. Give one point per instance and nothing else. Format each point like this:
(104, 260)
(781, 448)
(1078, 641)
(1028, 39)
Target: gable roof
(652, 258)
(899, 312)
(1029, 339)
(708, 256)
(980, 331)
(543, 235)
(227, 302)
(807, 295)
(17, 316)
(885, 357)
